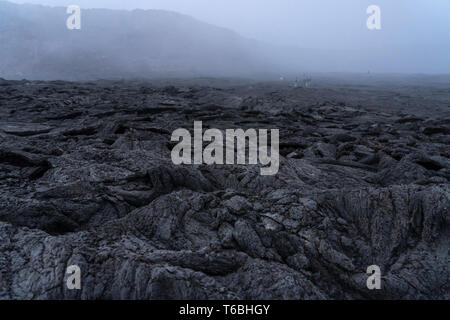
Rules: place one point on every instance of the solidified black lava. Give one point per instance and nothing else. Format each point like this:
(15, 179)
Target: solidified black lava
(86, 179)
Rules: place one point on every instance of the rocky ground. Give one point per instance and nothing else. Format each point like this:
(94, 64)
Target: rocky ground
(86, 179)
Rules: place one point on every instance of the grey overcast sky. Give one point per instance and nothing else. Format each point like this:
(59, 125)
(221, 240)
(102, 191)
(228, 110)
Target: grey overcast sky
(324, 24)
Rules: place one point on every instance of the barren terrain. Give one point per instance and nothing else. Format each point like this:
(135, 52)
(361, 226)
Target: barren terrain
(86, 179)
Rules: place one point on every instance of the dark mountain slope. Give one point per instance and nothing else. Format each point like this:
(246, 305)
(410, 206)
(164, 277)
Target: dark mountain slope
(111, 43)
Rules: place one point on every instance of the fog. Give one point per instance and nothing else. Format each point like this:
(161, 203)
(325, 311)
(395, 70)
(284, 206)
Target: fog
(327, 35)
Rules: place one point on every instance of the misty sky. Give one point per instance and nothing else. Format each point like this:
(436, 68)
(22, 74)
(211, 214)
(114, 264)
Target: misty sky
(321, 24)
